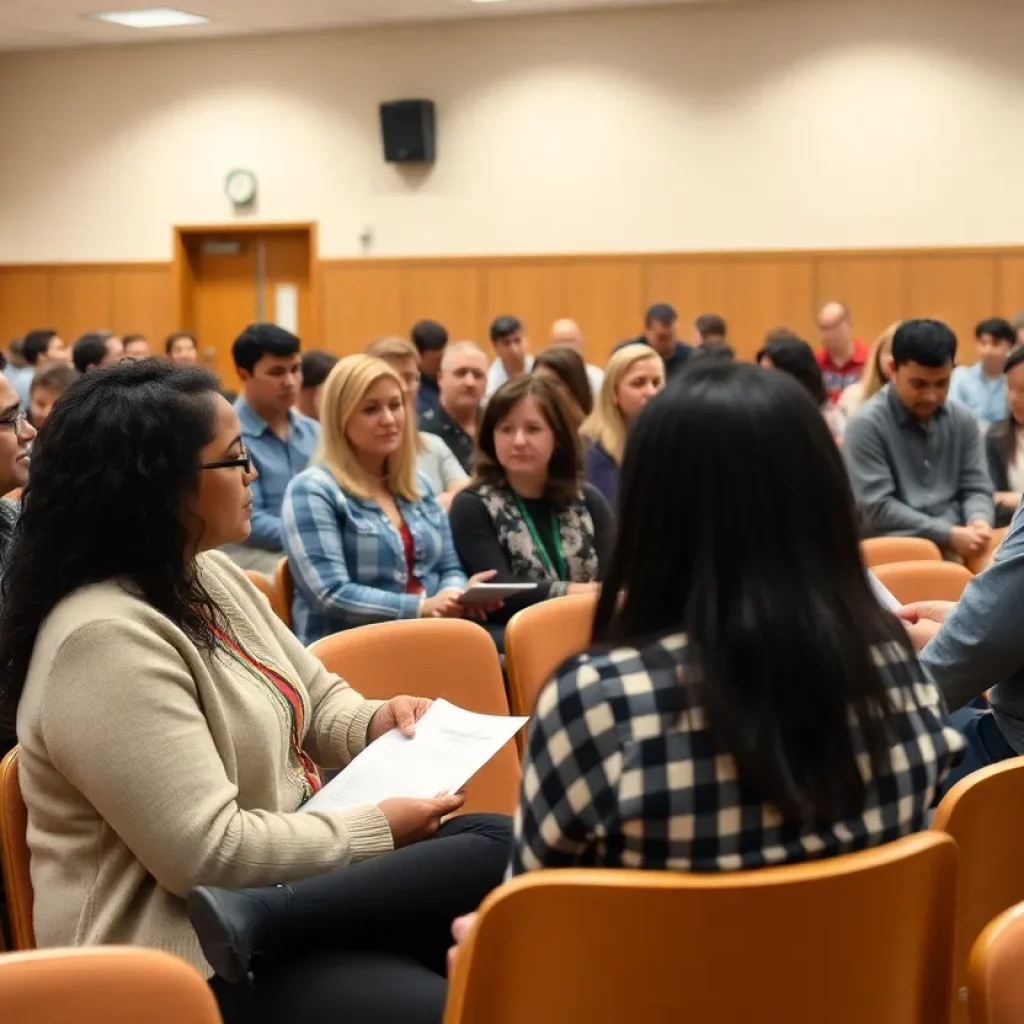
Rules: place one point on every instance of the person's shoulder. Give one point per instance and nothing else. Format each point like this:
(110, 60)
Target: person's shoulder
(306, 425)
(821, 357)
(433, 444)
(469, 499)
(430, 419)
(316, 479)
(593, 498)
(961, 416)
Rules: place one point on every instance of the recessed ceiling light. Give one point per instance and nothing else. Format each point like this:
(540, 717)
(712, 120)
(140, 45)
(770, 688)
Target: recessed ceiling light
(151, 17)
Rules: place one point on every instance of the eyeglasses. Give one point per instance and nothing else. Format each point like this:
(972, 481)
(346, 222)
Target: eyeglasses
(16, 424)
(243, 462)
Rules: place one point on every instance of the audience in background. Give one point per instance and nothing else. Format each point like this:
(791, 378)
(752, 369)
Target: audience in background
(786, 352)
(634, 375)
(315, 368)
(136, 346)
(566, 333)
(16, 434)
(982, 387)
(564, 367)
(47, 386)
(461, 385)
(279, 440)
(877, 372)
(842, 357)
(434, 459)
(525, 513)
(40, 348)
(181, 348)
(660, 334)
(16, 369)
(366, 539)
(430, 339)
(509, 340)
(710, 331)
(95, 350)
(915, 460)
(1004, 443)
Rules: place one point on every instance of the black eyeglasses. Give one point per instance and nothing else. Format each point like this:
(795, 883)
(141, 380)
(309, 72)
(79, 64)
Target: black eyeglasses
(16, 423)
(243, 462)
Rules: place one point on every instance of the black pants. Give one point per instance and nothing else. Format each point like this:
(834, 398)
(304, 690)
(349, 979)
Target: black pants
(369, 941)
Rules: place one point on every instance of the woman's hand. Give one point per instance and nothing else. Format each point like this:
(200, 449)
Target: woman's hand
(923, 620)
(480, 611)
(443, 605)
(461, 927)
(412, 820)
(400, 712)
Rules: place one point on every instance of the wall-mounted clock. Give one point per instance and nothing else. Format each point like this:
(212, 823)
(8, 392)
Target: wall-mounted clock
(240, 187)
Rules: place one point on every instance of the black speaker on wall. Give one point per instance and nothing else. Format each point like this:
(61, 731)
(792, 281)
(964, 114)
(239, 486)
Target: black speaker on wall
(408, 130)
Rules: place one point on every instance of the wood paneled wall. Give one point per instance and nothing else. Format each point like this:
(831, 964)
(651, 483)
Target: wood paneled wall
(362, 299)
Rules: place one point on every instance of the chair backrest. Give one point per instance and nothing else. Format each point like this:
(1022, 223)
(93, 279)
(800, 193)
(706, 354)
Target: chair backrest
(984, 560)
(538, 639)
(885, 550)
(865, 937)
(996, 971)
(262, 584)
(924, 581)
(108, 984)
(449, 658)
(982, 813)
(14, 854)
(284, 588)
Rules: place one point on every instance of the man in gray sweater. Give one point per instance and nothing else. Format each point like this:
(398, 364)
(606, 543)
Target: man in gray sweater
(916, 462)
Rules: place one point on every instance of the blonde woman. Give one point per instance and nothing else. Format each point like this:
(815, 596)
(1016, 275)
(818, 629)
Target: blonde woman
(635, 373)
(876, 376)
(365, 537)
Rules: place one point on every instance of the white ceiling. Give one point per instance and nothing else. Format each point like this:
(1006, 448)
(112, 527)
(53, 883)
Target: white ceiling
(43, 24)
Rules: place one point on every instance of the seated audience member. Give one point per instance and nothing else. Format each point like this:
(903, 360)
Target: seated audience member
(136, 346)
(95, 350)
(181, 348)
(430, 339)
(315, 369)
(634, 375)
(170, 727)
(710, 331)
(17, 372)
(434, 459)
(40, 348)
(366, 539)
(565, 368)
(47, 386)
(509, 340)
(566, 333)
(789, 354)
(877, 372)
(1018, 327)
(280, 440)
(1004, 444)
(16, 435)
(461, 384)
(660, 334)
(982, 387)
(525, 513)
(915, 460)
(842, 357)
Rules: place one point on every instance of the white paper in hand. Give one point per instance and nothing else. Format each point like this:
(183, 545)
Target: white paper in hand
(885, 597)
(450, 746)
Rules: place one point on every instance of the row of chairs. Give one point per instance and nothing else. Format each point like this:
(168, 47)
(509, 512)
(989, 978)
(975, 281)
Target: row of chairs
(885, 550)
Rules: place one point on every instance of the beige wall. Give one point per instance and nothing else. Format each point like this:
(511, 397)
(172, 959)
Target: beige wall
(763, 126)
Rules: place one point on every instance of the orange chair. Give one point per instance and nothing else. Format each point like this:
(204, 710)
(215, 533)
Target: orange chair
(263, 585)
(863, 938)
(980, 813)
(14, 854)
(984, 560)
(538, 639)
(924, 581)
(284, 589)
(449, 658)
(996, 971)
(885, 550)
(109, 984)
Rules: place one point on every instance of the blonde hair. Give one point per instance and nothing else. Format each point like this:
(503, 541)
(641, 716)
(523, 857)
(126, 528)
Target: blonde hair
(606, 425)
(392, 347)
(343, 390)
(873, 381)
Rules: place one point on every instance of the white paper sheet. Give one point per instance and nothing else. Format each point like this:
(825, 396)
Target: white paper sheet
(884, 595)
(450, 746)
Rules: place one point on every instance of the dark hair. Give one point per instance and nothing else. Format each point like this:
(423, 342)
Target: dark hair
(779, 617)
(713, 350)
(503, 326)
(927, 342)
(660, 313)
(572, 372)
(1004, 433)
(998, 329)
(429, 336)
(316, 367)
(36, 343)
(112, 469)
(711, 325)
(128, 339)
(172, 338)
(90, 350)
(56, 377)
(259, 340)
(792, 355)
(566, 466)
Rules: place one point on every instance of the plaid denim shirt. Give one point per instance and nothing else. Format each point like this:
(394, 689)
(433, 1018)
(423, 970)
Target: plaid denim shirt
(621, 770)
(347, 558)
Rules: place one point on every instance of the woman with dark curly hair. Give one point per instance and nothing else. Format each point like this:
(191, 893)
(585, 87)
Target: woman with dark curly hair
(170, 727)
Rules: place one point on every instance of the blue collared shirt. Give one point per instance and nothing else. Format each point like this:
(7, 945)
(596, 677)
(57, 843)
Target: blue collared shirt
(984, 396)
(348, 561)
(276, 462)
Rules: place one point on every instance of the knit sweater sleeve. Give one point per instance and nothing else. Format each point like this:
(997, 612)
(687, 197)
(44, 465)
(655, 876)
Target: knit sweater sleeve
(136, 744)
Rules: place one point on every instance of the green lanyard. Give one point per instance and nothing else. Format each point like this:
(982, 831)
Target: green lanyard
(562, 572)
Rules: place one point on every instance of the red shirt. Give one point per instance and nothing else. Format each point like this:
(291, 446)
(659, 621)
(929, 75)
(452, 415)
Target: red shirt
(839, 376)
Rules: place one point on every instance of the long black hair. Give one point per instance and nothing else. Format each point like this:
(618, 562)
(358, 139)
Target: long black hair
(737, 527)
(112, 469)
(792, 355)
(1004, 433)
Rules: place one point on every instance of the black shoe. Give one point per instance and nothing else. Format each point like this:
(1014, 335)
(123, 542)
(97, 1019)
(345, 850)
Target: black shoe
(234, 926)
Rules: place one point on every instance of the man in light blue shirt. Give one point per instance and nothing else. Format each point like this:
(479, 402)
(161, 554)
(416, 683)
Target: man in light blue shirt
(280, 440)
(982, 387)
